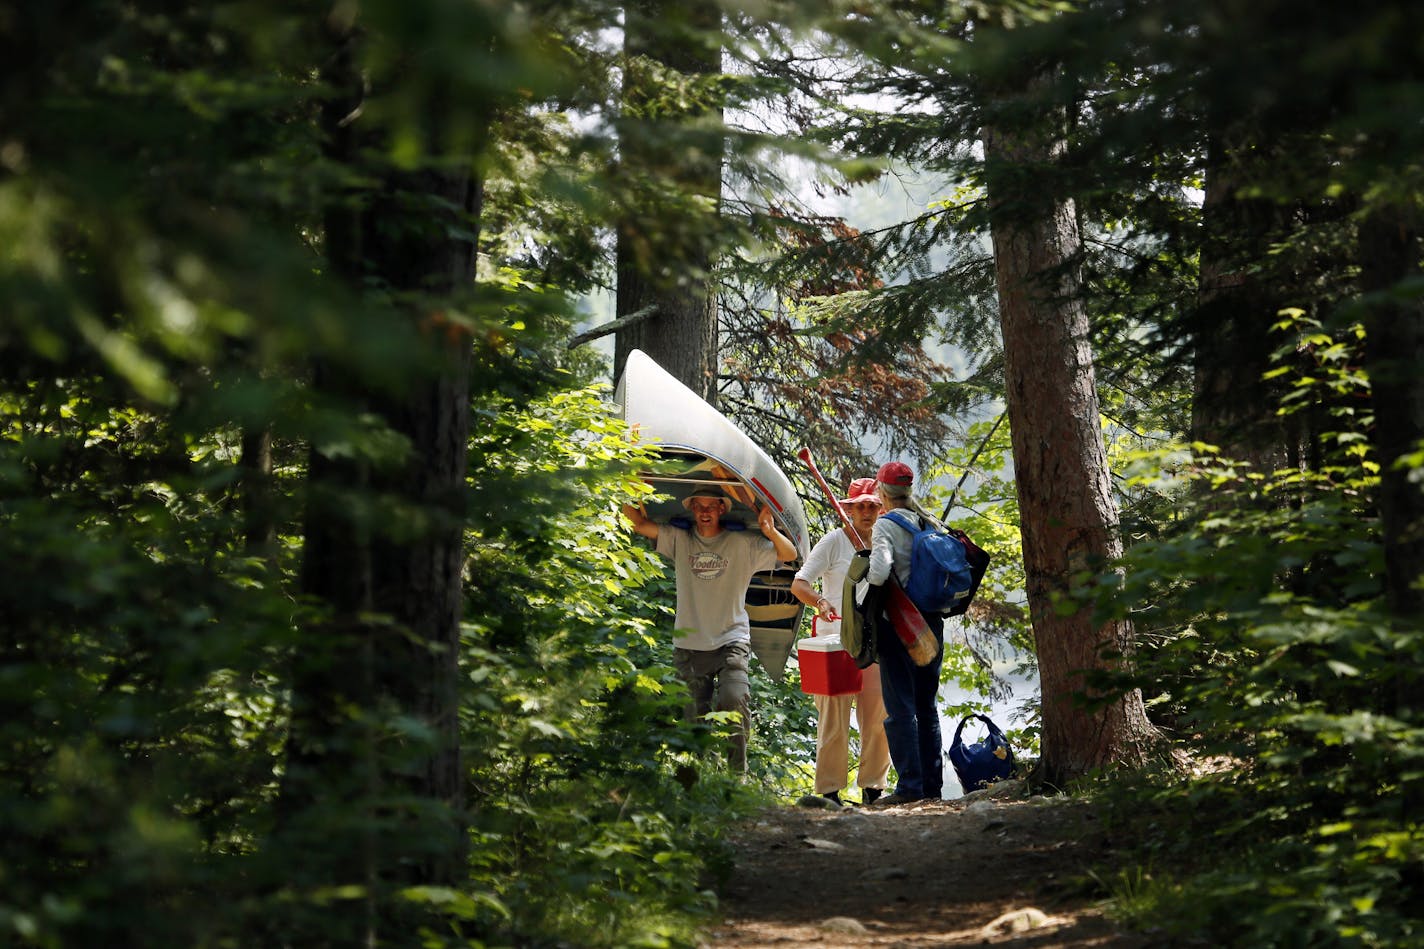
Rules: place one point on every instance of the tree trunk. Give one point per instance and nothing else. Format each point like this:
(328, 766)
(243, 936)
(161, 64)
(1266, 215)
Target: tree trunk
(1233, 406)
(258, 515)
(389, 645)
(665, 244)
(1391, 242)
(416, 578)
(1068, 513)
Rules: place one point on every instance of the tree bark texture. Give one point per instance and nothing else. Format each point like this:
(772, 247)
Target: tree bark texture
(417, 576)
(1069, 515)
(671, 158)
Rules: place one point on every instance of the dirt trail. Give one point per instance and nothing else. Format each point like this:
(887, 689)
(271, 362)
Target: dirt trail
(991, 869)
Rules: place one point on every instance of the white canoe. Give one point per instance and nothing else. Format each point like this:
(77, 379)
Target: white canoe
(702, 447)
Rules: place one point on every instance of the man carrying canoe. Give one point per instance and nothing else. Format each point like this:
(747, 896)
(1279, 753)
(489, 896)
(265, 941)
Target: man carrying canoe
(713, 567)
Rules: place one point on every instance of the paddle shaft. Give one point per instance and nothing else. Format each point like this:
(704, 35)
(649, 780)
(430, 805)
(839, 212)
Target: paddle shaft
(805, 456)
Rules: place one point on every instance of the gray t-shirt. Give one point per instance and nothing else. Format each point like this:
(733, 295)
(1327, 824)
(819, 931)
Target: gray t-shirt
(712, 578)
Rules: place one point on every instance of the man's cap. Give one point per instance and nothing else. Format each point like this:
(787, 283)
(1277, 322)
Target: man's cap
(860, 491)
(895, 472)
(713, 493)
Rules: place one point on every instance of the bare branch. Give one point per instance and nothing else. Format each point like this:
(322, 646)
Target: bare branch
(623, 322)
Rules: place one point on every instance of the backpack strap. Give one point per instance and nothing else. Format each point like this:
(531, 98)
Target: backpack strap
(958, 731)
(993, 729)
(895, 517)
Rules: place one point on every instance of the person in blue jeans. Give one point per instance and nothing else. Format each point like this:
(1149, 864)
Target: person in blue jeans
(911, 692)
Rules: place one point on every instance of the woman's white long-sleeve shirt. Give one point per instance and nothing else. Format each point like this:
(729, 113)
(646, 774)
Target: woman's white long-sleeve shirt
(828, 562)
(890, 546)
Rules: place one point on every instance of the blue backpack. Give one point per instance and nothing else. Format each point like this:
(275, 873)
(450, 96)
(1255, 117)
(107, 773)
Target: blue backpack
(941, 578)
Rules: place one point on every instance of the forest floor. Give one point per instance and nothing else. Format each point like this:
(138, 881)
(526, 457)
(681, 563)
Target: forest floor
(989, 869)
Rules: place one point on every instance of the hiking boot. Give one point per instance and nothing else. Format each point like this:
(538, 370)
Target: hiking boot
(890, 800)
(834, 796)
(870, 795)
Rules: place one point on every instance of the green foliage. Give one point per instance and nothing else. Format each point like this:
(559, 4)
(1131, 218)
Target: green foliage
(164, 181)
(161, 205)
(1270, 656)
(150, 656)
(782, 752)
(598, 813)
(139, 670)
(1264, 643)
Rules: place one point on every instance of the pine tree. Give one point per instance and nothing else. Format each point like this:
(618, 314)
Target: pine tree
(1069, 513)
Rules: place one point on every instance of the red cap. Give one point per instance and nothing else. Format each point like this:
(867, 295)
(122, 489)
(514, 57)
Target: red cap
(895, 472)
(860, 491)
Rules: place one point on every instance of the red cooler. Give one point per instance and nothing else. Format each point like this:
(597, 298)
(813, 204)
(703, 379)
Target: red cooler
(826, 668)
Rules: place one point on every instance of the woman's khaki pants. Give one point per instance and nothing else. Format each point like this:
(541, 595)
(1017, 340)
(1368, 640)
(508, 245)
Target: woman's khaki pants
(833, 737)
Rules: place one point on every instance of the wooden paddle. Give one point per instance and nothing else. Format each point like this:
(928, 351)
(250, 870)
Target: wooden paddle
(909, 624)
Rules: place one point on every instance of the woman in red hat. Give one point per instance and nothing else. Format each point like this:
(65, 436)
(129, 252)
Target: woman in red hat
(828, 562)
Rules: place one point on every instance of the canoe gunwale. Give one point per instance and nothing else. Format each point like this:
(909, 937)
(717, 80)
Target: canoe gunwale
(791, 525)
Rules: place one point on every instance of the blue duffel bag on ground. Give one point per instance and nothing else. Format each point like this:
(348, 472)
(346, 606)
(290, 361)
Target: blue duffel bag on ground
(984, 762)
